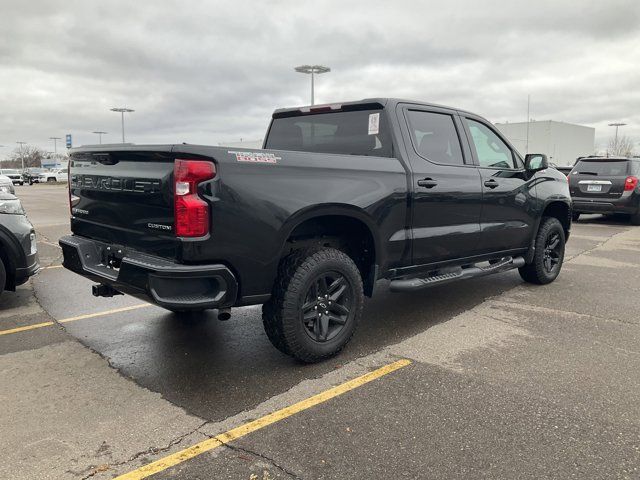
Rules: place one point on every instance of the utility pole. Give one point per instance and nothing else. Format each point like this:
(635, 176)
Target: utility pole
(313, 70)
(100, 133)
(21, 153)
(55, 144)
(122, 111)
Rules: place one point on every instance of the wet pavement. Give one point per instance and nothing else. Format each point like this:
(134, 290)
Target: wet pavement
(507, 380)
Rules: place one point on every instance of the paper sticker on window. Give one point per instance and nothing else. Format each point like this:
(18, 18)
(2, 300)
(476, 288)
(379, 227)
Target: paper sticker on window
(374, 123)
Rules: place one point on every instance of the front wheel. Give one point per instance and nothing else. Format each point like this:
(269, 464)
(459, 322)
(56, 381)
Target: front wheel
(549, 253)
(315, 305)
(3, 276)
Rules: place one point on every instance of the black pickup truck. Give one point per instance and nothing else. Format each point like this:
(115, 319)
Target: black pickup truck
(341, 196)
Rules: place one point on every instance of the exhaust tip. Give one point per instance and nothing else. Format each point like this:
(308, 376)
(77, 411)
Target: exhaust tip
(224, 314)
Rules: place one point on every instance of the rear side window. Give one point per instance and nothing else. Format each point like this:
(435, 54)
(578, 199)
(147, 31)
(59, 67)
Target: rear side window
(435, 137)
(602, 168)
(363, 132)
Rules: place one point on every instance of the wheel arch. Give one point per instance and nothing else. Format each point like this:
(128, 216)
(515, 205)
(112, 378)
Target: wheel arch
(353, 229)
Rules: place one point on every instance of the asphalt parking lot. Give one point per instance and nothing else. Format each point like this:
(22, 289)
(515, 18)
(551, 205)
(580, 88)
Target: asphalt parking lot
(490, 378)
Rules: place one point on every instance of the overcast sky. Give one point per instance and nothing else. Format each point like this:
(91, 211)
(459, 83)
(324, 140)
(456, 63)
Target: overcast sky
(210, 72)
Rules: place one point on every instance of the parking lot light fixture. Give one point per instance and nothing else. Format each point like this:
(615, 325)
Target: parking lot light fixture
(21, 153)
(617, 125)
(122, 111)
(312, 70)
(55, 144)
(100, 133)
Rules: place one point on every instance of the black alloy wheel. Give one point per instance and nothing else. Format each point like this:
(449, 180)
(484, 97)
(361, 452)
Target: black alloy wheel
(328, 306)
(552, 252)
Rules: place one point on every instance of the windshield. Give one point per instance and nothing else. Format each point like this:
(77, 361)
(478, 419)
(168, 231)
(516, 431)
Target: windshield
(9, 172)
(362, 132)
(605, 167)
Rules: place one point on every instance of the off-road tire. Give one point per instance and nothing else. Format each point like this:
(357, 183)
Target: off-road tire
(282, 314)
(536, 272)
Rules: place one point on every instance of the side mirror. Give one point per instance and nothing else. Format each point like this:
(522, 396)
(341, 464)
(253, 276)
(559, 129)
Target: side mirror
(534, 162)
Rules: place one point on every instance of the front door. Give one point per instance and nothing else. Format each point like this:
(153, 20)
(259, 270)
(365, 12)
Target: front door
(508, 206)
(446, 192)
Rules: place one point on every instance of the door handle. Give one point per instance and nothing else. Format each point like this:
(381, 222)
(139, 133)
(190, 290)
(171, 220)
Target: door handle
(491, 183)
(427, 183)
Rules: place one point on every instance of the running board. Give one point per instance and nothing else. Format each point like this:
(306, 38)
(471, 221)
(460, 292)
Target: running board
(410, 284)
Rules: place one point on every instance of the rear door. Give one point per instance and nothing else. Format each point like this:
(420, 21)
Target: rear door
(599, 179)
(508, 217)
(446, 195)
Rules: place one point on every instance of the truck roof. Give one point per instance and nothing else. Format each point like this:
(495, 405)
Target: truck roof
(354, 105)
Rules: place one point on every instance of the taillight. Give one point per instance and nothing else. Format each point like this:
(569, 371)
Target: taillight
(630, 183)
(191, 212)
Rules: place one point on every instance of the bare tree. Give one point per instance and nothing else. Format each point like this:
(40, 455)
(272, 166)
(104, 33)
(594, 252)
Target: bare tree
(620, 147)
(32, 157)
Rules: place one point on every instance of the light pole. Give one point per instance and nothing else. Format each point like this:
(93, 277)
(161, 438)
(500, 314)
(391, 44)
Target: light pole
(99, 133)
(313, 70)
(55, 144)
(617, 125)
(21, 153)
(122, 111)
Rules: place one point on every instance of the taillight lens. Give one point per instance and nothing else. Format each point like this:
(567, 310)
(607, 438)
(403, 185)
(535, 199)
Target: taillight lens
(191, 212)
(630, 183)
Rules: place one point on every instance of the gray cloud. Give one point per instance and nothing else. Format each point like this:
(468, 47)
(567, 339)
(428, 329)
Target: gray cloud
(209, 72)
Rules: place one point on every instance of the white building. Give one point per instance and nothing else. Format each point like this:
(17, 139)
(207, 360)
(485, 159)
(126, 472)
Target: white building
(561, 142)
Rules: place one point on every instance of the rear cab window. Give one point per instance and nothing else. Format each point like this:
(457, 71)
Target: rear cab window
(599, 168)
(359, 132)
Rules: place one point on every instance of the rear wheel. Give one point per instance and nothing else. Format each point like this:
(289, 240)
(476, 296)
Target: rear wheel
(635, 219)
(575, 216)
(549, 253)
(316, 304)
(51, 179)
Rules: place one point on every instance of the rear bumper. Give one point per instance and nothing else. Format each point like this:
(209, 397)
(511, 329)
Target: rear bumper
(153, 279)
(625, 204)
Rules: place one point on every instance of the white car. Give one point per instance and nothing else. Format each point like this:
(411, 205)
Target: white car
(6, 185)
(54, 176)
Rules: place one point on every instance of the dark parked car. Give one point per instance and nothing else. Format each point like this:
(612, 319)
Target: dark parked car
(18, 250)
(13, 174)
(341, 196)
(32, 175)
(607, 186)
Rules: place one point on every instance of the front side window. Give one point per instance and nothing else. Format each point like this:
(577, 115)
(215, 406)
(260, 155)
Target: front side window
(435, 137)
(490, 149)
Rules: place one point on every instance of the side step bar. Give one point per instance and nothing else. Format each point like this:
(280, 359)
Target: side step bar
(410, 284)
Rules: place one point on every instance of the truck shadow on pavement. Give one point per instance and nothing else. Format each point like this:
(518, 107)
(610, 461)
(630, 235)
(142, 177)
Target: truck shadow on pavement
(216, 369)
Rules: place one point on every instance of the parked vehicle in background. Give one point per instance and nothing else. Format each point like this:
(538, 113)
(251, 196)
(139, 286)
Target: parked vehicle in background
(13, 174)
(32, 175)
(6, 185)
(18, 249)
(341, 196)
(607, 186)
(60, 175)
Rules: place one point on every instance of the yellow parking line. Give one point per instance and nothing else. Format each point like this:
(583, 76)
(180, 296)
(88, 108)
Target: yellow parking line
(219, 440)
(25, 328)
(73, 319)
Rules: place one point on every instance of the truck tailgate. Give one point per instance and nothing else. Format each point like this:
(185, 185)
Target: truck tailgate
(125, 197)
